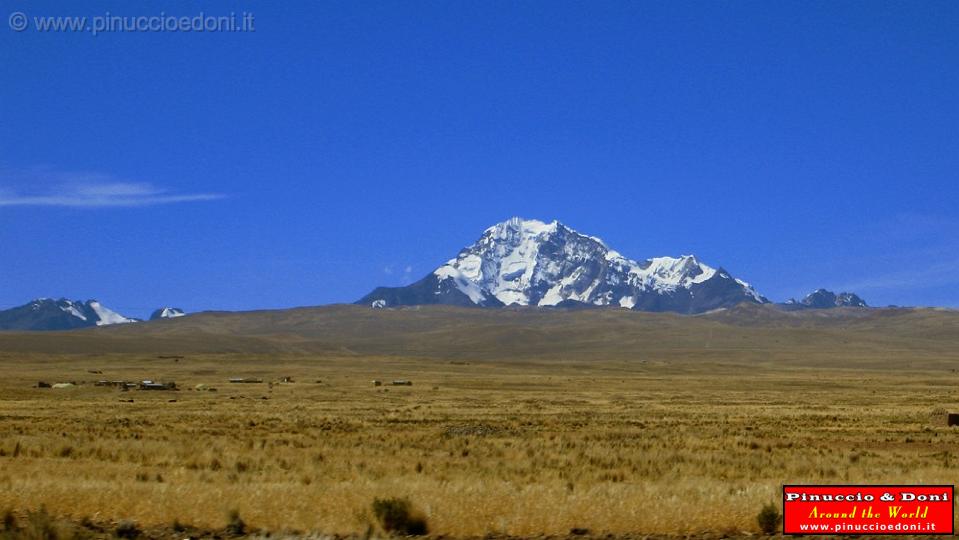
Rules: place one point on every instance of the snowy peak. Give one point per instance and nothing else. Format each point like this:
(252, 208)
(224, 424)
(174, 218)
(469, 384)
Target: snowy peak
(60, 314)
(528, 262)
(105, 316)
(677, 272)
(846, 299)
(519, 227)
(166, 313)
(513, 261)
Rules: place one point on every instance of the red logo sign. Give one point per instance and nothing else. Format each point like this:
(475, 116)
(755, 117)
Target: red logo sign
(868, 510)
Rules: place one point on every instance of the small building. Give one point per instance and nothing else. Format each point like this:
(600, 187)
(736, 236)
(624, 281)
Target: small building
(377, 382)
(402, 382)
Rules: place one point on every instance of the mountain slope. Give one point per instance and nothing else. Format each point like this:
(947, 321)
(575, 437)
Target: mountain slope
(532, 263)
(62, 314)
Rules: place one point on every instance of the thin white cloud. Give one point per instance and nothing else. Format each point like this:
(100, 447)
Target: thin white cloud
(88, 190)
(407, 275)
(907, 252)
(403, 273)
(919, 276)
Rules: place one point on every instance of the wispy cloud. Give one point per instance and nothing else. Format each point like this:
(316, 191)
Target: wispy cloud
(904, 253)
(405, 273)
(89, 190)
(918, 275)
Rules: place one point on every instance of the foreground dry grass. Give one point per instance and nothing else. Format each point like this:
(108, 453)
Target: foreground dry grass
(480, 447)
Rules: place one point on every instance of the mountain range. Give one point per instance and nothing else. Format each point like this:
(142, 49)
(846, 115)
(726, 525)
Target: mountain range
(823, 299)
(64, 314)
(519, 262)
(526, 262)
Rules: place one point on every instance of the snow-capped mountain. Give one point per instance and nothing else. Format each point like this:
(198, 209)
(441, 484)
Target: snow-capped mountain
(532, 263)
(822, 299)
(62, 314)
(167, 313)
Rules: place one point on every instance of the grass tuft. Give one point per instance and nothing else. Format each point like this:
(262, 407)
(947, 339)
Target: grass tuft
(127, 529)
(9, 522)
(769, 519)
(235, 524)
(396, 515)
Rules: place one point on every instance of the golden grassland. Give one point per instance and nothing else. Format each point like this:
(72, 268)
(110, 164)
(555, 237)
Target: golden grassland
(676, 441)
(478, 448)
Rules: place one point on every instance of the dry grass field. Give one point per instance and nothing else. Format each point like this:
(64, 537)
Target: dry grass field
(517, 423)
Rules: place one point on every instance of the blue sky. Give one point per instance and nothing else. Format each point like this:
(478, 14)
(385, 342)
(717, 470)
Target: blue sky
(345, 145)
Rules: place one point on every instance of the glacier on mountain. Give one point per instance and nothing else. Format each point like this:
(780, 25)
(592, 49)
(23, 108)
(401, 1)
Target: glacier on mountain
(528, 262)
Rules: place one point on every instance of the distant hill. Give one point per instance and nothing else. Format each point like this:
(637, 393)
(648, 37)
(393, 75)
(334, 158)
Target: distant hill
(749, 332)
